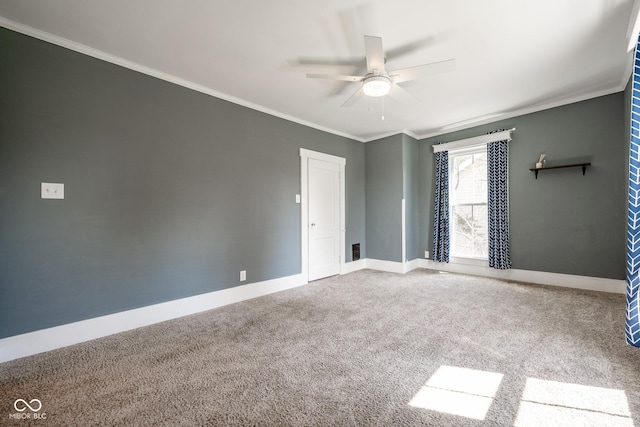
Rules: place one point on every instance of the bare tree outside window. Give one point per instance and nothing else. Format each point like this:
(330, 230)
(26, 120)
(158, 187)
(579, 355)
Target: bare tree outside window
(468, 200)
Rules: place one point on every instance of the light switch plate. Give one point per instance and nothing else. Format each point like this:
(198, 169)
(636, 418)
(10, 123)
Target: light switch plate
(297, 198)
(243, 275)
(51, 190)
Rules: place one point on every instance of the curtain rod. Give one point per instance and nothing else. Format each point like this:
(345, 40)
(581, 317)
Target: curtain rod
(476, 140)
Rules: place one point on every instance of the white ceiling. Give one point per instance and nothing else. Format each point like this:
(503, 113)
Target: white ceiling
(513, 56)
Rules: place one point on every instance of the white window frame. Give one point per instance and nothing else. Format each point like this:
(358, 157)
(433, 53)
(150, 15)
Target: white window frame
(479, 261)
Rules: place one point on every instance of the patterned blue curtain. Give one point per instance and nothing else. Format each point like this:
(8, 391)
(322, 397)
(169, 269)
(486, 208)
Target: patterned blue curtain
(632, 324)
(441, 210)
(498, 204)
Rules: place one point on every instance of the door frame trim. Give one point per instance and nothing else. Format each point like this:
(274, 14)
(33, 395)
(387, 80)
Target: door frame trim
(305, 155)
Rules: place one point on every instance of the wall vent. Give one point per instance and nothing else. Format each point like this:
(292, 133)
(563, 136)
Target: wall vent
(355, 252)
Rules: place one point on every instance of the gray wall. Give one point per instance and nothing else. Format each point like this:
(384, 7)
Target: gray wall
(392, 174)
(411, 191)
(169, 192)
(562, 222)
(384, 191)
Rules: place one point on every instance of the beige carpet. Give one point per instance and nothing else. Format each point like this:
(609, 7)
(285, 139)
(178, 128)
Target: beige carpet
(364, 349)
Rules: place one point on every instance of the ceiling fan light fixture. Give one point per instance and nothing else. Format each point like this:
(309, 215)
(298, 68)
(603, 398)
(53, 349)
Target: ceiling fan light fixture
(376, 86)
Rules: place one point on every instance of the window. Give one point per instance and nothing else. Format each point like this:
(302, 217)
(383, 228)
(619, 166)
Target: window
(468, 203)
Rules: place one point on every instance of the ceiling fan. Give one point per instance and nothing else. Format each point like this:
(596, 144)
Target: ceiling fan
(379, 81)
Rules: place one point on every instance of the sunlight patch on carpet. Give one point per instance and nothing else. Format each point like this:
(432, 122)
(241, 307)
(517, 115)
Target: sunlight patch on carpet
(459, 391)
(557, 403)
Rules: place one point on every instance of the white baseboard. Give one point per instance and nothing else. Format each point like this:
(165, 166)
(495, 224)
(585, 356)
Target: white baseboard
(383, 265)
(527, 276)
(352, 266)
(73, 333)
(392, 266)
(411, 265)
(540, 277)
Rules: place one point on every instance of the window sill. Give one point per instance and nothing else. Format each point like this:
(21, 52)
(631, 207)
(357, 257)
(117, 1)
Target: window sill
(479, 262)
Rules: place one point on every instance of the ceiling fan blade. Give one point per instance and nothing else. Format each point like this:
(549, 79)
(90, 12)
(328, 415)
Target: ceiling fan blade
(374, 54)
(323, 62)
(335, 77)
(416, 45)
(406, 49)
(399, 94)
(352, 99)
(413, 73)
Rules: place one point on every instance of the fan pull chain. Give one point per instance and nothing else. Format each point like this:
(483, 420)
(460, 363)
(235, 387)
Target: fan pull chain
(382, 100)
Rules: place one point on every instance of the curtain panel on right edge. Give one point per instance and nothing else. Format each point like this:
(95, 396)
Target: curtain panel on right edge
(632, 323)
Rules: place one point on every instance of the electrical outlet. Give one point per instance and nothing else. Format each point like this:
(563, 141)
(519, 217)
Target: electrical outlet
(243, 275)
(51, 190)
(426, 254)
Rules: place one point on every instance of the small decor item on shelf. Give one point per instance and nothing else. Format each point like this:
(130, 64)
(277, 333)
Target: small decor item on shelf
(540, 163)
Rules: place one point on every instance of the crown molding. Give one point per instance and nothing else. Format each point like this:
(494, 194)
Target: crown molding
(524, 111)
(104, 56)
(411, 134)
(96, 53)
